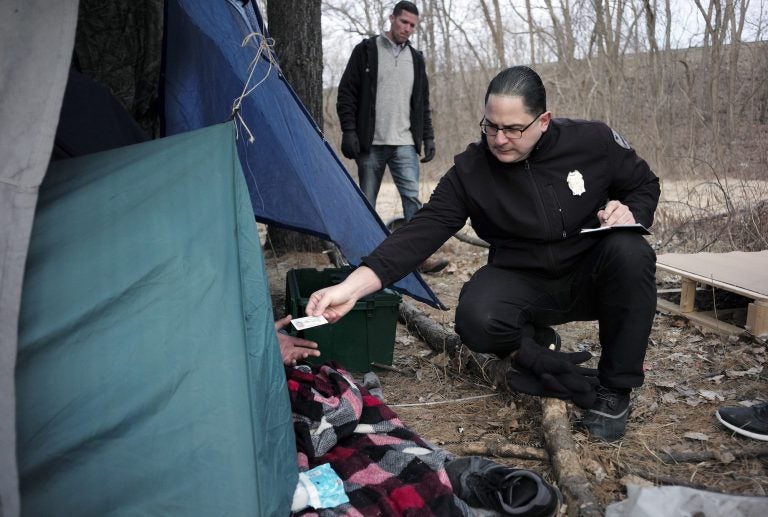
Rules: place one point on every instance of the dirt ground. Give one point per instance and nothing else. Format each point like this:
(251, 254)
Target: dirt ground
(689, 374)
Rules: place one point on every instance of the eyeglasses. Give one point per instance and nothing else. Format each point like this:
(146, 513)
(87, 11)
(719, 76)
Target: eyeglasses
(512, 133)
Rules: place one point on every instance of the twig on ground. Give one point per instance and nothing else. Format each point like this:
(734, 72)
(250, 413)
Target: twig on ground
(659, 478)
(503, 450)
(451, 401)
(388, 368)
(698, 456)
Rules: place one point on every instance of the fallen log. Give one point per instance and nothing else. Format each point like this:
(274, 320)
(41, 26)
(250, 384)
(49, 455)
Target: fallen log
(432, 333)
(503, 450)
(565, 461)
(698, 456)
(441, 340)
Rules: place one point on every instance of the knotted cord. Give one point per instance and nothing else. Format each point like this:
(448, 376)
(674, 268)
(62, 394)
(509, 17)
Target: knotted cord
(265, 46)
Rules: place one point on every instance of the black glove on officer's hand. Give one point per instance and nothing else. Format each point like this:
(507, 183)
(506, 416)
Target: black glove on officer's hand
(429, 150)
(350, 145)
(547, 373)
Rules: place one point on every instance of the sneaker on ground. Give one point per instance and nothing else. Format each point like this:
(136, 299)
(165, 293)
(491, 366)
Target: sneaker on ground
(433, 265)
(607, 418)
(747, 421)
(483, 483)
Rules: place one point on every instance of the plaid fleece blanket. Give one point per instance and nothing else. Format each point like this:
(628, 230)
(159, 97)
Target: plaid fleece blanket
(386, 468)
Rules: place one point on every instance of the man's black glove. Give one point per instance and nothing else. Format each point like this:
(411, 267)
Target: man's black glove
(547, 373)
(350, 145)
(429, 150)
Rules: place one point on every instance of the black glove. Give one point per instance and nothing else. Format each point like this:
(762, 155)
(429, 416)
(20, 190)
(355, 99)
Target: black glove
(429, 150)
(350, 145)
(547, 373)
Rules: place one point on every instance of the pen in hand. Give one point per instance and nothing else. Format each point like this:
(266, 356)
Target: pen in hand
(602, 217)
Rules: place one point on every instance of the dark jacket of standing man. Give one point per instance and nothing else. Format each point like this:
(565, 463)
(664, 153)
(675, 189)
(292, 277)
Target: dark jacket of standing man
(383, 106)
(356, 101)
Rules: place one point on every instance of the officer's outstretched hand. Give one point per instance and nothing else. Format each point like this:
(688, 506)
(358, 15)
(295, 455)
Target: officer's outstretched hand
(331, 302)
(335, 301)
(350, 145)
(429, 150)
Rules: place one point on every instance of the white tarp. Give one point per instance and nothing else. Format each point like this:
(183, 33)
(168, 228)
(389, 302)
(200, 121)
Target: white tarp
(36, 40)
(679, 501)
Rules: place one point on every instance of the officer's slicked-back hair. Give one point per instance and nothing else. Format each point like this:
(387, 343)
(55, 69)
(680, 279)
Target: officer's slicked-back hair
(405, 6)
(520, 81)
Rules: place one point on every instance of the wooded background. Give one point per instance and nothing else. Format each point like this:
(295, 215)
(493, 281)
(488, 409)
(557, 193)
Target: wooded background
(684, 81)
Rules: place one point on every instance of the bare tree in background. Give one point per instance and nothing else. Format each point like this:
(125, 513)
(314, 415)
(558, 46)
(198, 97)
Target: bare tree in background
(496, 28)
(675, 77)
(295, 27)
(724, 23)
(438, 9)
(362, 17)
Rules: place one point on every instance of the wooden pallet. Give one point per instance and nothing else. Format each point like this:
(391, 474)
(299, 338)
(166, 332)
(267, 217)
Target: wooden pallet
(743, 273)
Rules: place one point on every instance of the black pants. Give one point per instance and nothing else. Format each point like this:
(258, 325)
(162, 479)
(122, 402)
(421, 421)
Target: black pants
(614, 284)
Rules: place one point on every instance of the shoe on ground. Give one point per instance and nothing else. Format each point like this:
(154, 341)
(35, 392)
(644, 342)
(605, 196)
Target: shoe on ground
(483, 483)
(607, 418)
(747, 421)
(433, 265)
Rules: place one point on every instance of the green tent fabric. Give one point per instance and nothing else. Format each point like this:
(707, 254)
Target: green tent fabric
(148, 376)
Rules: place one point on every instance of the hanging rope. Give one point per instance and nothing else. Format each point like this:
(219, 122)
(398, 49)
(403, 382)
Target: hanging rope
(264, 46)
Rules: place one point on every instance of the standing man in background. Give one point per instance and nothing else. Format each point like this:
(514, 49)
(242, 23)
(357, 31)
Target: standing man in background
(383, 107)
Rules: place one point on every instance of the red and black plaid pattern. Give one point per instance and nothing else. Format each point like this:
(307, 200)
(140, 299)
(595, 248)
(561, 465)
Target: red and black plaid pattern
(387, 469)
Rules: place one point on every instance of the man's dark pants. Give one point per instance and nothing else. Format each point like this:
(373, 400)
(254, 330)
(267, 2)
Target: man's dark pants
(614, 284)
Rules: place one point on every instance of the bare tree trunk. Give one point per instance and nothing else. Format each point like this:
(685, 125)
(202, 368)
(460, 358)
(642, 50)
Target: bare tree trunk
(712, 57)
(656, 81)
(563, 42)
(531, 34)
(445, 34)
(295, 27)
(668, 27)
(496, 27)
(737, 19)
(427, 30)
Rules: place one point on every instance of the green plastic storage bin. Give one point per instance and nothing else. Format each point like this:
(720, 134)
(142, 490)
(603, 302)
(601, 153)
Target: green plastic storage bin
(366, 335)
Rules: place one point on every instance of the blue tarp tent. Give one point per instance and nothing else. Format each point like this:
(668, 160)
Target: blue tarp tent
(295, 179)
(120, 390)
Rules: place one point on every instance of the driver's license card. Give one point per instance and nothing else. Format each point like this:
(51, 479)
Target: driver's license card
(308, 322)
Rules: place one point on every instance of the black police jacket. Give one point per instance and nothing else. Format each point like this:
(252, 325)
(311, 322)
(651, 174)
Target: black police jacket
(526, 210)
